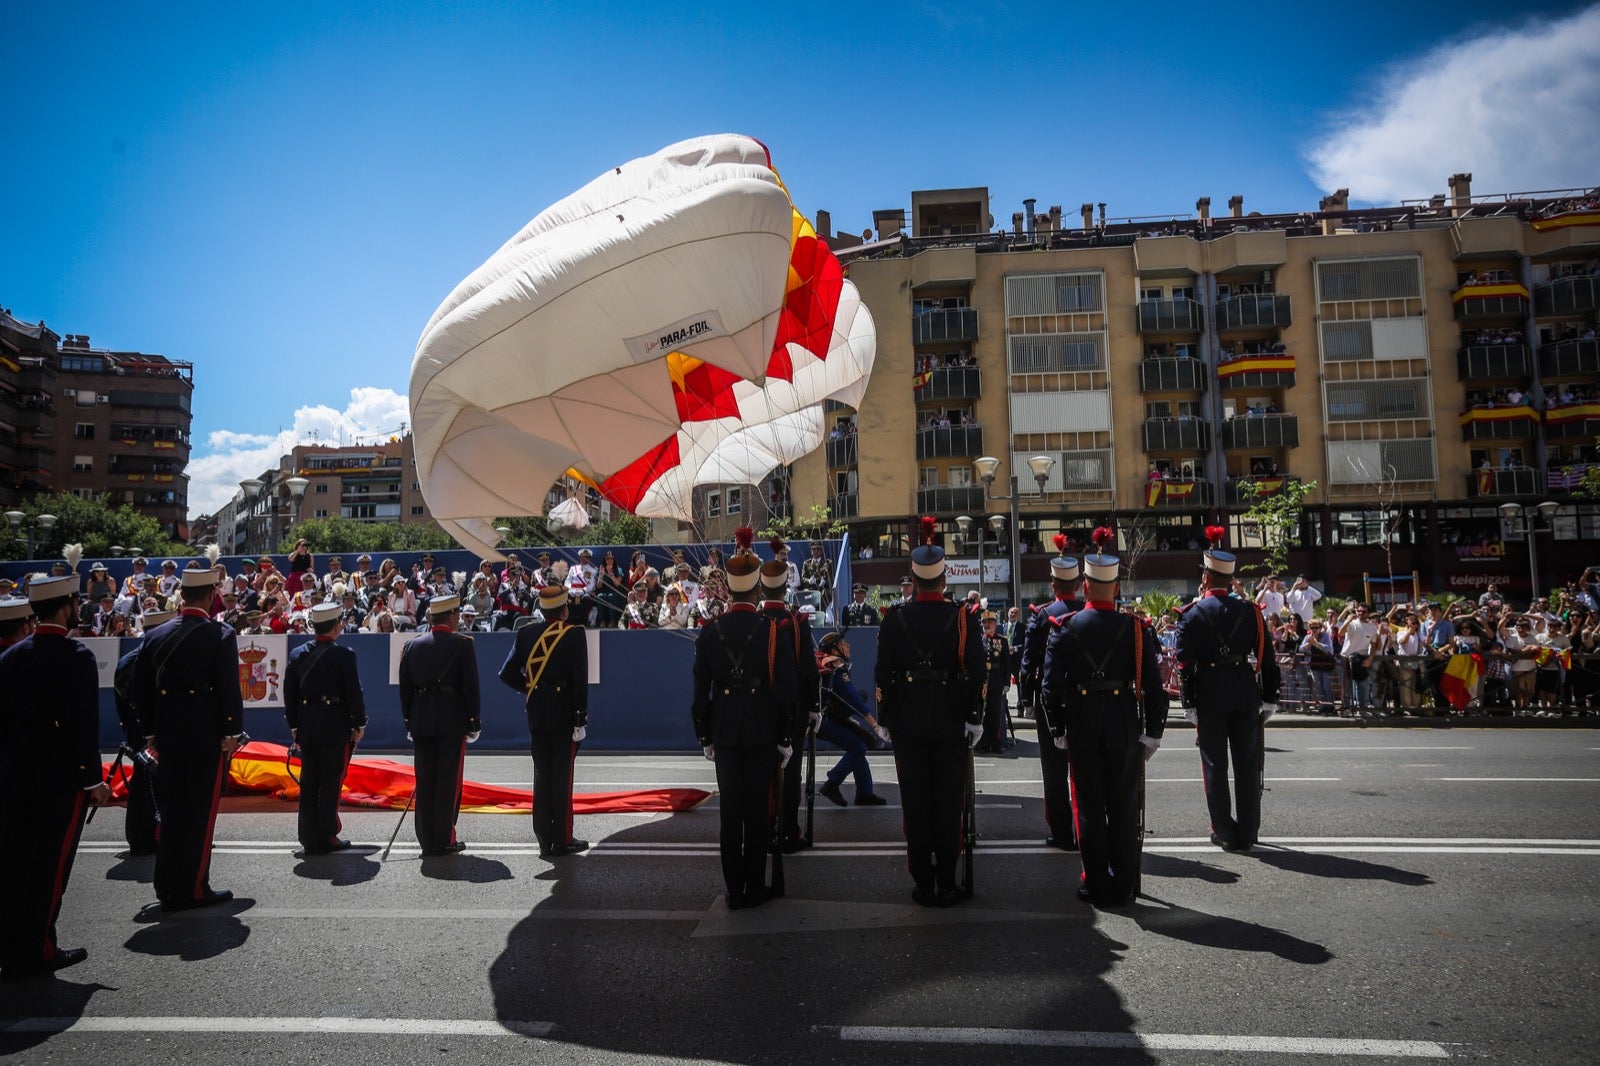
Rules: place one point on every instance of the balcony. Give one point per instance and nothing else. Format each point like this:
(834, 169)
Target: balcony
(1260, 370)
(1261, 431)
(1568, 420)
(1565, 480)
(1503, 481)
(1177, 493)
(1260, 311)
(1568, 296)
(1570, 358)
(1266, 485)
(840, 451)
(1498, 423)
(945, 324)
(1180, 315)
(349, 498)
(1498, 300)
(844, 505)
(1494, 361)
(1176, 435)
(950, 383)
(949, 442)
(1172, 375)
(950, 499)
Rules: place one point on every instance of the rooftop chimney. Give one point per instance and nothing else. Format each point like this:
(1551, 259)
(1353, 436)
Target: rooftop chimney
(1027, 208)
(824, 225)
(1339, 201)
(1016, 223)
(1055, 219)
(1203, 205)
(1236, 206)
(1087, 211)
(1461, 193)
(1102, 208)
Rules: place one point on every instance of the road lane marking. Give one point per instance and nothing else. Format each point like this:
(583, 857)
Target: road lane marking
(1280, 1045)
(335, 1026)
(1530, 780)
(1396, 747)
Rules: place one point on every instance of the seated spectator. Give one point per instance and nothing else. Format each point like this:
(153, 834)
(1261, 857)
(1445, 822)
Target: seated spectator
(674, 613)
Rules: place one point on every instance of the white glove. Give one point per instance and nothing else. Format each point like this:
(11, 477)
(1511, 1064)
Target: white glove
(472, 737)
(814, 721)
(1267, 711)
(578, 733)
(1191, 716)
(973, 733)
(1151, 745)
(710, 750)
(883, 734)
(787, 752)
(1061, 741)
(410, 737)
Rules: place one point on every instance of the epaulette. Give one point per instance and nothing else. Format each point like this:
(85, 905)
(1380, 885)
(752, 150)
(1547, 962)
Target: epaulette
(1058, 620)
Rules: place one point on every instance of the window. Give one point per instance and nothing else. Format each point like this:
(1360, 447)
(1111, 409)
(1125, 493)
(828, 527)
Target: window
(1183, 292)
(960, 476)
(1158, 409)
(84, 431)
(713, 504)
(321, 512)
(928, 477)
(84, 494)
(86, 398)
(321, 489)
(86, 364)
(735, 501)
(82, 464)
(1085, 470)
(416, 509)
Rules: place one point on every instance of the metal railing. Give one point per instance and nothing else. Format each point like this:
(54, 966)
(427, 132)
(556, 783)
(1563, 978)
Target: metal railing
(944, 324)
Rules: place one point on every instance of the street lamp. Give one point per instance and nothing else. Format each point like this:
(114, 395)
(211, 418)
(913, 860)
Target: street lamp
(21, 524)
(997, 523)
(504, 531)
(1041, 465)
(256, 488)
(1518, 520)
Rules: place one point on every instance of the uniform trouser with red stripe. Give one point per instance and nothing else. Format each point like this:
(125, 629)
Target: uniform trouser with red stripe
(39, 837)
(1238, 731)
(1057, 795)
(745, 786)
(932, 782)
(188, 792)
(139, 824)
(439, 762)
(1105, 797)
(322, 770)
(554, 755)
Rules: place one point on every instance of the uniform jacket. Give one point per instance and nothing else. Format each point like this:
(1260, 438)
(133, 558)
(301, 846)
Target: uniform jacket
(841, 700)
(322, 693)
(122, 690)
(1034, 638)
(49, 716)
(560, 660)
(744, 681)
(1215, 637)
(930, 671)
(439, 685)
(997, 665)
(1092, 659)
(860, 614)
(796, 627)
(186, 683)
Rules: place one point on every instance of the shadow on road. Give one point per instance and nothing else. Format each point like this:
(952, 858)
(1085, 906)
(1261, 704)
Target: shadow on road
(340, 868)
(131, 867)
(42, 997)
(1194, 869)
(473, 868)
(191, 935)
(1337, 866)
(1231, 934)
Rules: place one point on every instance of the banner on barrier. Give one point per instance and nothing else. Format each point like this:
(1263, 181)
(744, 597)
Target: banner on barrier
(106, 652)
(262, 659)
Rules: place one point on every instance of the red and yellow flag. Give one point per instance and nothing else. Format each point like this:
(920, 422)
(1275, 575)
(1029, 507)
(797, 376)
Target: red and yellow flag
(1572, 412)
(1484, 292)
(1497, 414)
(1460, 678)
(1257, 364)
(1569, 218)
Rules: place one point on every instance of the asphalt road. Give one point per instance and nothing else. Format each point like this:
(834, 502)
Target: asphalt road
(1422, 893)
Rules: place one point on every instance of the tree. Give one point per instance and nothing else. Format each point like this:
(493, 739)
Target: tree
(326, 536)
(94, 524)
(817, 524)
(1278, 518)
(1138, 538)
(529, 531)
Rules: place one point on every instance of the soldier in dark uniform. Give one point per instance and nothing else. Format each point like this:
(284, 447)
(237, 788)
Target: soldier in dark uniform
(186, 690)
(49, 773)
(744, 707)
(795, 627)
(1064, 575)
(16, 620)
(140, 826)
(439, 699)
(1103, 683)
(859, 612)
(929, 675)
(1216, 639)
(327, 715)
(549, 665)
(997, 681)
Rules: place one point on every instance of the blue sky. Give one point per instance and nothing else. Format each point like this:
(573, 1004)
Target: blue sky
(282, 194)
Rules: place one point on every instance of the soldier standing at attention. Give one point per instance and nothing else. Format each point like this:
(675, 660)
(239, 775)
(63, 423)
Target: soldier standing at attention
(186, 690)
(1064, 575)
(930, 697)
(49, 773)
(795, 628)
(140, 826)
(327, 714)
(439, 700)
(859, 612)
(1232, 699)
(997, 679)
(1102, 681)
(549, 665)
(744, 706)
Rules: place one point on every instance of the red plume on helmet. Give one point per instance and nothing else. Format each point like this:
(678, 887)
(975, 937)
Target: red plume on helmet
(777, 545)
(743, 537)
(929, 527)
(1215, 535)
(1060, 541)
(1102, 536)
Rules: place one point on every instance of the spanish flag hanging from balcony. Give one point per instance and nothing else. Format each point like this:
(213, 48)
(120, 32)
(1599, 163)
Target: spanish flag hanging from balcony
(10, 364)
(1497, 414)
(921, 379)
(1268, 486)
(166, 444)
(1172, 490)
(1460, 678)
(1572, 412)
(1485, 482)
(1488, 292)
(1256, 364)
(1568, 218)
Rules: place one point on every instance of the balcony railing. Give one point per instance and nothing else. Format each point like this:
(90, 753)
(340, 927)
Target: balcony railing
(1498, 300)
(1503, 481)
(950, 499)
(844, 505)
(348, 498)
(1570, 358)
(1260, 311)
(950, 383)
(1568, 296)
(1266, 485)
(1176, 435)
(949, 442)
(841, 451)
(1172, 375)
(1493, 361)
(1261, 431)
(1498, 423)
(1177, 493)
(1180, 315)
(1569, 420)
(1258, 370)
(945, 324)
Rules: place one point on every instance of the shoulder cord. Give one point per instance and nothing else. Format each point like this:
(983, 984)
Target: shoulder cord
(542, 648)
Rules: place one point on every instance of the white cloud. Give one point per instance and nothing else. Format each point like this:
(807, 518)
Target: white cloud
(213, 478)
(1517, 109)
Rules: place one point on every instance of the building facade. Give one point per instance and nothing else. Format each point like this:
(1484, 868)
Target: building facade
(1421, 364)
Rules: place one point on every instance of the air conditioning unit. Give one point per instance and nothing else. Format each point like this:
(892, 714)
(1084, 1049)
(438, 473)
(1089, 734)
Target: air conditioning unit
(69, 392)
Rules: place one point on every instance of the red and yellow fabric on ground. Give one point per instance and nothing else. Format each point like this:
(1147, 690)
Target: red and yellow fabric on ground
(259, 767)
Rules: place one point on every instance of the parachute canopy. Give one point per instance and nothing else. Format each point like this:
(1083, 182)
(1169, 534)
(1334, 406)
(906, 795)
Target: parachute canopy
(675, 322)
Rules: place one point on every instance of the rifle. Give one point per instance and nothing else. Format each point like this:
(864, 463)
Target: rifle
(969, 824)
(1261, 757)
(811, 784)
(775, 806)
(409, 800)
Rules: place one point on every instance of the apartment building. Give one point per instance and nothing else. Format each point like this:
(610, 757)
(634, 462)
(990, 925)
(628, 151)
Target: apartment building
(1423, 364)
